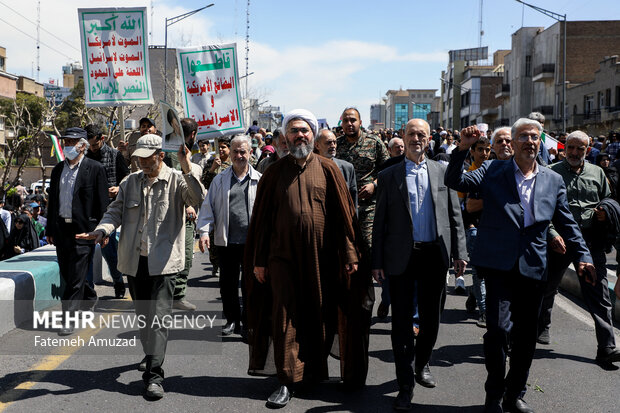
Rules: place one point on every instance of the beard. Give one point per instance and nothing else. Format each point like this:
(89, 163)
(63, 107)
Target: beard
(300, 151)
(281, 152)
(504, 154)
(575, 162)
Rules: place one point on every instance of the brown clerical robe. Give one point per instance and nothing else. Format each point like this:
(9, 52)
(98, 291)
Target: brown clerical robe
(304, 230)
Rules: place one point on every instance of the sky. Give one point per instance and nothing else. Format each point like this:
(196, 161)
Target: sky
(319, 55)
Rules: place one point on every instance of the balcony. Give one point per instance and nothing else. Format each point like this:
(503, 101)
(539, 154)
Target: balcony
(503, 91)
(544, 72)
(545, 110)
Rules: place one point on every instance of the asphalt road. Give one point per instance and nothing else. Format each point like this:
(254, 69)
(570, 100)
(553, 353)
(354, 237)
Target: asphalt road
(563, 377)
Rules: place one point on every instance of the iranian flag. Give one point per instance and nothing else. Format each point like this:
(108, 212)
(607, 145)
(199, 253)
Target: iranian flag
(57, 149)
(551, 143)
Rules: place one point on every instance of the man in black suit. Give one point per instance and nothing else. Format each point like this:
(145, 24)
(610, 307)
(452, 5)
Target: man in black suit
(325, 145)
(78, 198)
(417, 230)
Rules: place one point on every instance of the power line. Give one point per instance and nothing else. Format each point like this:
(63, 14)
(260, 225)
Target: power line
(34, 38)
(46, 31)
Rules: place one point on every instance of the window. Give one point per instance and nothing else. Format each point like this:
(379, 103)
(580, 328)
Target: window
(528, 66)
(401, 115)
(607, 98)
(1, 122)
(420, 110)
(465, 99)
(588, 104)
(617, 96)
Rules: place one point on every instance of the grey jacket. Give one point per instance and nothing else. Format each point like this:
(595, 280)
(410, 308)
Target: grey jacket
(214, 210)
(165, 228)
(392, 240)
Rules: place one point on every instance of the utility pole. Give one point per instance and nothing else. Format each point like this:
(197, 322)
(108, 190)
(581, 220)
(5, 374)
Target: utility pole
(560, 18)
(247, 47)
(38, 39)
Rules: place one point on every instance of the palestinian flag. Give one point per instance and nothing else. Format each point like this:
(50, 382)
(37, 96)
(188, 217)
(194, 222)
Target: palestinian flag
(551, 143)
(57, 149)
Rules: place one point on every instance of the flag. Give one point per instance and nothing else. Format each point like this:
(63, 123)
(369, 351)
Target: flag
(56, 149)
(551, 143)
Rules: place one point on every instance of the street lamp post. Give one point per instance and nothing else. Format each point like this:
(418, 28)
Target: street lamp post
(559, 18)
(170, 22)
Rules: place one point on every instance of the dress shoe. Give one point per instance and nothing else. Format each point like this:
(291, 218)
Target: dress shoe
(470, 303)
(607, 356)
(425, 378)
(544, 337)
(184, 305)
(280, 397)
(66, 331)
(154, 391)
(403, 399)
(229, 328)
(383, 310)
(142, 365)
(119, 289)
(516, 406)
(493, 406)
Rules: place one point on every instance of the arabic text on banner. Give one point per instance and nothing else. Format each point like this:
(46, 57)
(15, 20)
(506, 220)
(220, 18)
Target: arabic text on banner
(210, 79)
(115, 56)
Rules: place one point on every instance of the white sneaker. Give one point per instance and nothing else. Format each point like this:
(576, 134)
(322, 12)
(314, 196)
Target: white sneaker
(459, 285)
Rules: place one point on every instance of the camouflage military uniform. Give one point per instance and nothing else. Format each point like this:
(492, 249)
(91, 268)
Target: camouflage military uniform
(207, 178)
(366, 154)
(207, 175)
(180, 286)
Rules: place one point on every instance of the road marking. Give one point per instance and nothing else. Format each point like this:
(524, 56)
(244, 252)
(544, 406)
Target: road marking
(577, 312)
(40, 370)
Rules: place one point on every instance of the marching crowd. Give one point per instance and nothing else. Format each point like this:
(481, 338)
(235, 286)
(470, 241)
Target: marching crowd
(299, 221)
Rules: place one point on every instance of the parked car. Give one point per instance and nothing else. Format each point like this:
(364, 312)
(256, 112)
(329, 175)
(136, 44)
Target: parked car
(39, 184)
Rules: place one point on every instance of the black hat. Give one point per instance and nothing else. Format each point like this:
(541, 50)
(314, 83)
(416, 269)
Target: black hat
(149, 120)
(74, 133)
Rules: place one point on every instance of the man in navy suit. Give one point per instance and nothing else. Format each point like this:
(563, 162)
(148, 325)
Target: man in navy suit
(520, 200)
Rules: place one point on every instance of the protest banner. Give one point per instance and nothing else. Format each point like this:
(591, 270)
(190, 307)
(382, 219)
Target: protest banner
(210, 79)
(115, 56)
(172, 131)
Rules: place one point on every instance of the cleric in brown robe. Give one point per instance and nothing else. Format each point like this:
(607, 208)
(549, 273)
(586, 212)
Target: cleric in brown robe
(303, 283)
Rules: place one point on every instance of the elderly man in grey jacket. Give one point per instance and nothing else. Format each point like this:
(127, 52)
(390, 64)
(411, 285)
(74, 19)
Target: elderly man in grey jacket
(150, 206)
(227, 209)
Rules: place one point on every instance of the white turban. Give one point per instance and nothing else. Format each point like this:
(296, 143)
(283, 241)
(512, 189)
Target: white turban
(302, 114)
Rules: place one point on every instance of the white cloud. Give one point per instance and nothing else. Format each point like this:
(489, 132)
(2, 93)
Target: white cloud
(322, 77)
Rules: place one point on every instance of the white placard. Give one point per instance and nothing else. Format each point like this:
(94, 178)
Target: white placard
(210, 80)
(115, 56)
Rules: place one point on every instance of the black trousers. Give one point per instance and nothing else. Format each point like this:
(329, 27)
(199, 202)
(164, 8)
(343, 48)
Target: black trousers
(73, 261)
(596, 296)
(426, 267)
(231, 265)
(513, 304)
(153, 296)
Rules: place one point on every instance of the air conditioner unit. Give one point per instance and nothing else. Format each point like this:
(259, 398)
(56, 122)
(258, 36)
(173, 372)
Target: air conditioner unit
(131, 124)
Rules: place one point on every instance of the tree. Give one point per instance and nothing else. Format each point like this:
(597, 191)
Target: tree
(25, 118)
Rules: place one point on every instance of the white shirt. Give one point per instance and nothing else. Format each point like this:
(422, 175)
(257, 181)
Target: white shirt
(525, 188)
(6, 217)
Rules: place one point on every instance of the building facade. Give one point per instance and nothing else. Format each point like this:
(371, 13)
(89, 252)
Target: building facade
(402, 105)
(534, 69)
(594, 106)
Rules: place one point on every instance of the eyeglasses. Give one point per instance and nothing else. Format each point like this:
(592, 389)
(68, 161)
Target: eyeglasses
(295, 131)
(526, 137)
(507, 141)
